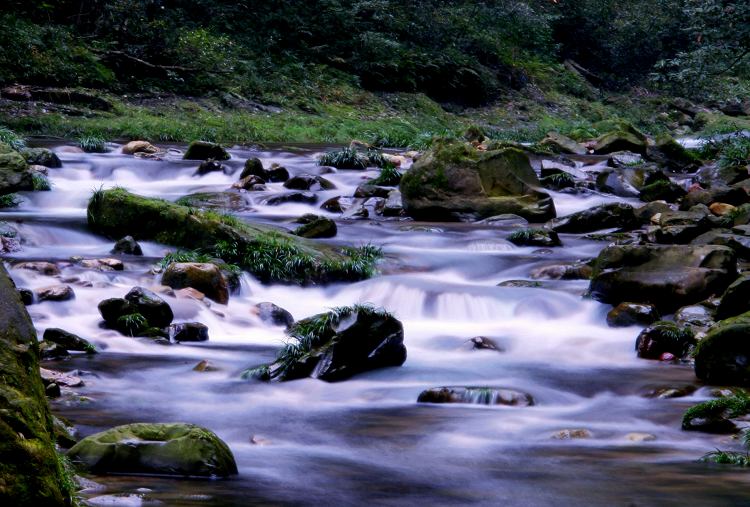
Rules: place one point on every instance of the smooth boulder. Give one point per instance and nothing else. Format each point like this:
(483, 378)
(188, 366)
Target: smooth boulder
(721, 358)
(204, 277)
(202, 150)
(176, 449)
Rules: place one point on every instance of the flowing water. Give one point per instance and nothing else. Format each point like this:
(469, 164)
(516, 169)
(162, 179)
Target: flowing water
(366, 441)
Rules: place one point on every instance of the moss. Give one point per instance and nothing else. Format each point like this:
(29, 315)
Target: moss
(740, 459)
(736, 405)
(268, 253)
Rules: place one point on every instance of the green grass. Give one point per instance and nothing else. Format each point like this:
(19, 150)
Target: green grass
(736, 405)
(9, 201)
(93, 144)
(345, 158)
(12, 139)
(740, 459)
(389, 176)
(185, 256)
(558, 180)
(40, 182)
(133, 324)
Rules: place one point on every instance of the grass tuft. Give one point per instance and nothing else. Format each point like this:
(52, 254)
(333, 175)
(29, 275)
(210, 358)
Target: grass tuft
(41, 182)
(9, 201)
(12, 139)
(92, 144)
(736, 405)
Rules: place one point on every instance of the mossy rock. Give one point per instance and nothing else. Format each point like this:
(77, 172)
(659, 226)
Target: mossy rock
(621, 140)
(607, 216)
(671, 154)
(156, 448)
(664, 337)
(269, 253)
(455, 181)
(721, 358)
(14, 173)
(31, 473)
(203, 150)
(559, 143)
(41, 156)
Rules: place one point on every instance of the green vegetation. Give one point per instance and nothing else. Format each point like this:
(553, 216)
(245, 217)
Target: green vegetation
(525, 235)
(12, 139)
(40, 182)
(132, 324)
(92, 144)
(9, 201)
(389, 176)
(735, 405)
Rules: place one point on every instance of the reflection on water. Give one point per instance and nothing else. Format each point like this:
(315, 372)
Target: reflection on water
(366, 441)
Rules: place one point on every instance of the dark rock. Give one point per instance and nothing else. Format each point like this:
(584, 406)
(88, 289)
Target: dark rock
(41, 156)
(627, 139)
(54, 293)
(308, 182)
(721, 358)
(645, 213)
(302, 197)
(155, 310)
(202, 150)
(52, 391)
(272, 314)
(45, 268)
(695, 316)
(68, 341)
(155, 448)
(559, 143)
(535, 237)
(253, 167)
(484, 343)
(625, 159)
(368, 190)
(632, 314)
(350, 341)
(209, 166)
(189, 332)
(662, 190)
(718, 175)
(669, 153)
(333, 205)
(319, 228)
(739, 243)
(607, 216)
(204, 277)
(664, 337)
(114, 308)
(574, 271)
(476, 396)
(49, 350)
(625, 181)
(27, 296)
(252, 183)
(127, 246)
(667, 276)
(735, 300)
(455, 181)
(14, 173)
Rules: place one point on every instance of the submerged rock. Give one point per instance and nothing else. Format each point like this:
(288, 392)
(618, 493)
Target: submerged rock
(156, 448)
(44, 268)
(337, 345)
(189, 332)
(476, 396)
(666, 276)
(535, 237)
(455, 181)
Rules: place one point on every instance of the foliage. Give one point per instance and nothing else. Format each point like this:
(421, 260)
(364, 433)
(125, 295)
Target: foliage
(12, 139)
(9, 201)
(527, 234)
(40, 182)
(92, 144)
(741, 459)
(735, 405)
(734, 151)
(389, 176)
(133, 323)
(345, 158)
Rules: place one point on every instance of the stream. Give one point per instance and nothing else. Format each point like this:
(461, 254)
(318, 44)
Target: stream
(366, 441)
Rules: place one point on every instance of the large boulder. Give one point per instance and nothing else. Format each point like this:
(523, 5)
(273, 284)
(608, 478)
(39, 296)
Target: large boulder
(204, 277)
(41, 156)
(671, 154)
(607, 216)
(455, 181)
(30, 472)
(337, 345)
(664, 339)
(156, 448)
(134, 147)
(625, 139)
(666, 276)
(14, 173)
(721, 358)
(137, 312)
(153, 308)
(202, 150)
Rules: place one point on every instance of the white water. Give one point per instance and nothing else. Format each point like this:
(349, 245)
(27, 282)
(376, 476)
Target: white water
(366, 440)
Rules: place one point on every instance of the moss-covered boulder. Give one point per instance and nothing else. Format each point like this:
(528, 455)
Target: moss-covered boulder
(664, 338)
(203, 150)
(156, 448)
(204, 277)
(666, 276)
(269, 253)
(632, 314)
(671, 154)
(721, 358)
(14, 173)
(559, 143)
(625, 139)
(535, 237)
(31, 474)
(316, 227)
(41, 156)
(337, 345)
(455, 181)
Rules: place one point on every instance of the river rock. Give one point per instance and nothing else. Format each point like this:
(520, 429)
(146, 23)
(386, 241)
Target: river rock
(251, 183)
(54, 293)
(607, 216)
(272, 314)
(286, 197)
(202, 150)
(369, 190)
(455, 181)
(735, 300)
(535, 237)
(393, 204)
(625, 139)
(127, 246)
(318, 227)
(664, 337)
(344, 342)
(156, 448)
(44, 268)
(41, 156)
(204, 277)
(718, 193)
(308, 182)
(632, 314)
(669, 153)
(68, 341)
(484, 343)
(476, 396)
(559, 143)
(662, 190)
(155, 310)
(277, 173)
(222, 201)
(721, 357)
(102, 264)
(737, 242)
(14, 173)
(189, 332)
(134, 147)
(209, 166)
(666, 276)
(253, 167)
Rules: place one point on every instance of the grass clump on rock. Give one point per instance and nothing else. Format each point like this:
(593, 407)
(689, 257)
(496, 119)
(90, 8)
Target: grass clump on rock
(264, 251)
(92, 144)
(9, 201)
(41, 182)
(727, 407)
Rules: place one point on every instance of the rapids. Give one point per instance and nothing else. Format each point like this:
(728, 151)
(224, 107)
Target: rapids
(366, 441)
